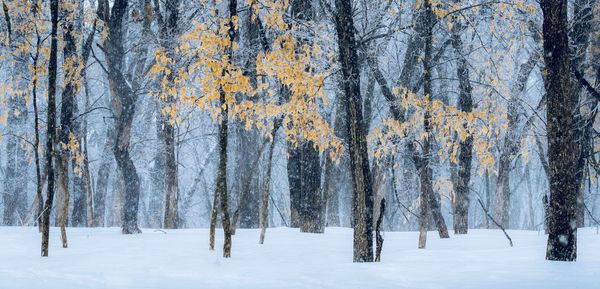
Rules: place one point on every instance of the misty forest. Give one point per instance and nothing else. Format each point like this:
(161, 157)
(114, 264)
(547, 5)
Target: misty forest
(278, 143)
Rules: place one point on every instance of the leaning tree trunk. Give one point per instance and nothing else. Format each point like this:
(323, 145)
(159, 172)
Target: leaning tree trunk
(562, 229)
(50, 135)
(359, 159)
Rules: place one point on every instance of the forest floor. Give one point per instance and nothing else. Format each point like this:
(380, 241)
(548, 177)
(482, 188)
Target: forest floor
(103, 258)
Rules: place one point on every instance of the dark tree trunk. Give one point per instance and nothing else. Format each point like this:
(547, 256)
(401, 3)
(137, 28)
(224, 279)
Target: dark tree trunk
(304, 175)
(65, 132)
(124, 109)
(465, 147)
(221, 183)
(304, 167)
(294, 182)
(562, 229)
(379, 239)
(50, 135)
(428, 199)
(359, 159)
(36, 146)
(311, 200)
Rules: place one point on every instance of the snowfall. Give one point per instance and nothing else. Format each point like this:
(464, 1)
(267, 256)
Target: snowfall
(170, 259)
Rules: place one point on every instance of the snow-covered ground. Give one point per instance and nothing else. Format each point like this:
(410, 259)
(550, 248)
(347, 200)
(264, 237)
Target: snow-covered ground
(103, 258)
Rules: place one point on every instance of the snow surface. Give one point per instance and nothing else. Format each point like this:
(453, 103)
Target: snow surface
(103, 258)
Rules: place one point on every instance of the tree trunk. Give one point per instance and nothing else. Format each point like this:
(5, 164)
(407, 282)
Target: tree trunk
(50, 135)
(124, 109)
(264, 208)
(359, 159)
(465, 147)
(65, 133)
(562, 229)
(221, 183)
(169, 31)
(427, 193)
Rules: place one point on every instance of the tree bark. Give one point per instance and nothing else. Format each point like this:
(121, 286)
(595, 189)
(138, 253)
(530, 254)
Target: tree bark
(50, 135)
(124, 109)
(304, 166)
(64, 136)
(465, 147)
(427, 193)
(169, 32)
(562, 226)
(359, 159)
(221, 183)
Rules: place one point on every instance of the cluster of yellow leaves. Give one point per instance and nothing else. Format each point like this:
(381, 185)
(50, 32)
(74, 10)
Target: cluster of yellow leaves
(289, 87)
(69, 6)
(72, 68)
(449, 125)
(73, 148)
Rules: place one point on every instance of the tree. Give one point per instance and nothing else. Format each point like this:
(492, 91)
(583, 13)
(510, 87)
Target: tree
(359, 159)
(304, 167)
(221, 183)
(424, 160)
(169, 31)
(562, 226)
(50, 135)
(124, 108)
(465, 151)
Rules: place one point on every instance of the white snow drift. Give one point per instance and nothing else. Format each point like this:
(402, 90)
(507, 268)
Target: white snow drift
(103, 258)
